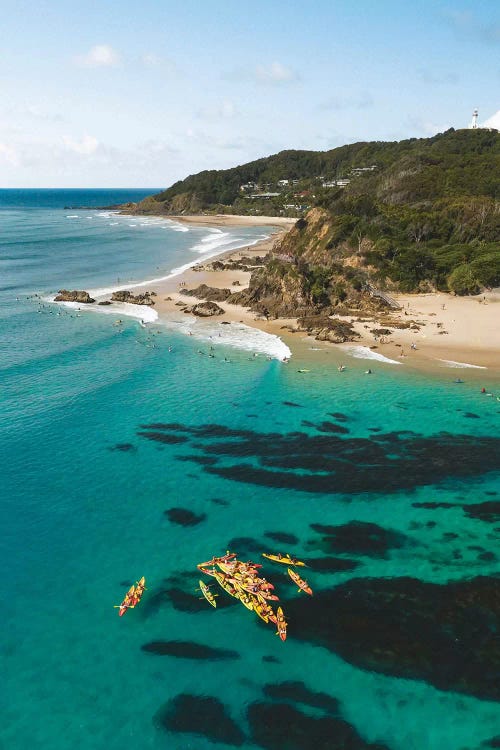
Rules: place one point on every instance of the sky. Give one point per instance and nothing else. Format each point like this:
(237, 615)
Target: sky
(141, 94)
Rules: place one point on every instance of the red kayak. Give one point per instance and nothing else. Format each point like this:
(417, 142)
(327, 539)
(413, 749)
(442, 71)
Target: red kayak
(129, 601)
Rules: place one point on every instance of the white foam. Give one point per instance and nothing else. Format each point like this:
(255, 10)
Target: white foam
(363, 352)
(452, 363)
(140, 312)
(72, 216)
(237, 335)
(104, 291)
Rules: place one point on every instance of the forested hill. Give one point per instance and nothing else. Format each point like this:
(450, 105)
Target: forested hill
(455, 163)
(420, 214)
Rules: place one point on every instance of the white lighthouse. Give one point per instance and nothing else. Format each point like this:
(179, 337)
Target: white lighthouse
(474, 124)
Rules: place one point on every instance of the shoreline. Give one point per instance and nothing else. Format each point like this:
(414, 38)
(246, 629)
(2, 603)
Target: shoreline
(454, 335)
(450, 335)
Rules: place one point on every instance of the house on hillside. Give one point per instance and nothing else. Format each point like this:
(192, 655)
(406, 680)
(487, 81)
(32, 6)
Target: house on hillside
(264, 196)
(356, 171)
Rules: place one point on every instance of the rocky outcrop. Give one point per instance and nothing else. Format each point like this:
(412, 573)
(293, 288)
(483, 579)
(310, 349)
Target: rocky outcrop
(206, 310)
(80, 296)
(329, 329)
(138, 299)
(209, 293)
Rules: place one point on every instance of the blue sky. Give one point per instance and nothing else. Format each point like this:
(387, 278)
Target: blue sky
(136, 94)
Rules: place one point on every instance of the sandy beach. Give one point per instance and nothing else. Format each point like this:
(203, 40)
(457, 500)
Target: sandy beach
(445, 333)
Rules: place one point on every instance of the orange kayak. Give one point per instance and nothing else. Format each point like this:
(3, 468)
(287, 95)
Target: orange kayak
(281, 624)
(303, 585)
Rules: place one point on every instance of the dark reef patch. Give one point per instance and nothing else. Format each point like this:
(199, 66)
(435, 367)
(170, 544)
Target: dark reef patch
(279, 726)
(163, 437)
(360, 538)
(292, 403)
(434, 506)
(183, 601)
(201, 460)
(488, 511)
(443, 634)
(332, 463)
(338, 416)
(493, 742)
(271, 659)
(203, 715)
(471, 415)
(297, 692)
(219, 501)
(188, 650)
(123, 447)
(184, 517)
(326, 427)
(487, 557)
(331, 564)
(164, 426)
(282, 537)
(244, 546)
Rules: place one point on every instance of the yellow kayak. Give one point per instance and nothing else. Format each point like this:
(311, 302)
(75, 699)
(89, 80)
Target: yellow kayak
(285, 559)
(207, 594)
(225, 584)
(247, 600)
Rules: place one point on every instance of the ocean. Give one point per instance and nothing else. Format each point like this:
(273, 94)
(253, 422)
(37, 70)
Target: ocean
(125, 453)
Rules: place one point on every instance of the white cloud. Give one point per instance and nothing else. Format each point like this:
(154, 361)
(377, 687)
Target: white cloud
(102, 55)
(87, 146)
(275, 73)
(493, 121)
(8, 154)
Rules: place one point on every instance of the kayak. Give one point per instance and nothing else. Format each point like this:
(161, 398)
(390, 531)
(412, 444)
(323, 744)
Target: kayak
(140, 588)
(207, 594)
(260, 610)
(263, 595)
(267, 611)
(128, 602)
(285, 559)
(229, 567)
(225, 584)
(208, 571)
(281, 624)
(247, 600)
(303, 585)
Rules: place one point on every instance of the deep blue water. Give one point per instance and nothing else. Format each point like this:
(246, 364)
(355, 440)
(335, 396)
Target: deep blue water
(86, 481)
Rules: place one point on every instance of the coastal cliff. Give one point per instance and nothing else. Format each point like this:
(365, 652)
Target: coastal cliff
(306, 275)
(419, 215)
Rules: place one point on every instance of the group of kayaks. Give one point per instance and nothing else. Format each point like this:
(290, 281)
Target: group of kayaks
(243, 581)
(132, 597)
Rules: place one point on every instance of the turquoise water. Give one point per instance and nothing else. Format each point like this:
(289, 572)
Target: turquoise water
(84, 497)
